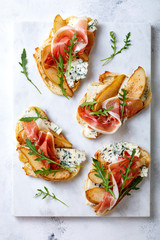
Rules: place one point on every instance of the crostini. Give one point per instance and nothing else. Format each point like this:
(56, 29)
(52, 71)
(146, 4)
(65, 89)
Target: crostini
(62, 59)
(116, 170)
(44, 150)
(111, 101)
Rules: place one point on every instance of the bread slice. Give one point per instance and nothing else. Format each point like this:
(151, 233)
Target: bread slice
(30, 165)
(51, 80)
(94, 194)
(137, 85)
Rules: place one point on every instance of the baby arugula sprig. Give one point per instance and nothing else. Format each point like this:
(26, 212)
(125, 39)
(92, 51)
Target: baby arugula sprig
(123, 99)
(46, 193)
(29, 119)
(90, 105)
(60, 63)
(101, 173)
(127, 43)
(23, 64)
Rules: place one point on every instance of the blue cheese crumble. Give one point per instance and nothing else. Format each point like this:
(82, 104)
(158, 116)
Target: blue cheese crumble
(92, 25)
(88, 132)
(78, 71)
(143, 171)
(70, 157)
(111, 152)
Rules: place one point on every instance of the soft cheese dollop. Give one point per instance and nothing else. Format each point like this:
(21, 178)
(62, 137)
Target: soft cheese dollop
(78, 71)
(111, 152)
(144, 171)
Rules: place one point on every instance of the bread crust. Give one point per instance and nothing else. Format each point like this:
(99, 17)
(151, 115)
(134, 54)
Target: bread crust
(26, 158)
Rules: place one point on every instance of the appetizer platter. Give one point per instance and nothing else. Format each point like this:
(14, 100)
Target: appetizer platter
(55, 187)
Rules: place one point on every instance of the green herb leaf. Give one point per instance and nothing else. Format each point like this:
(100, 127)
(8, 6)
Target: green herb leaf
(123, 99)
(29, 119)
(133, 186)
(128, 169)
(70, 52)
(89, 105)
(33, 151)
(46, 172)
(102, 111)
(101, 173)
(127, 43)
(60, 68)
(23, 64)
(46, 193)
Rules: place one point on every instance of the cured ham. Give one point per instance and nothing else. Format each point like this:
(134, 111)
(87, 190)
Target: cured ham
(111, 123)
(115, 169)
(43, 140)
(63, 36)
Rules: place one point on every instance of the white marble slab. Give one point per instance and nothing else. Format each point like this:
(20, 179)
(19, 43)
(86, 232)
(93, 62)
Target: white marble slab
(63, 112)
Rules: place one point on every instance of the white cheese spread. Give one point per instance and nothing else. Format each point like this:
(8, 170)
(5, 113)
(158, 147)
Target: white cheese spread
(111, 152)
(78, 71)
(92, 91)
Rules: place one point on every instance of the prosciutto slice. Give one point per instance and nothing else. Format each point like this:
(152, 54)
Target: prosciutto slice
(111, 123)
(108, 201)
(43, 140)
(63, 36)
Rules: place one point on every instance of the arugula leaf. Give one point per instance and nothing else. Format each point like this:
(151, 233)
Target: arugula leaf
(127, 43)
(103, 112)
(60, 68)
(123, 99)
(133, 186)
(33, 151)
(101, 173)
(46, 193)
(89, 105)
(46, 172)
(128, 169)
(29, 119)
(70, 52)
(23, 65)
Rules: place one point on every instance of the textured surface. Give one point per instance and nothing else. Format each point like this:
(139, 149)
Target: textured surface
(79, 228)
(136, 130)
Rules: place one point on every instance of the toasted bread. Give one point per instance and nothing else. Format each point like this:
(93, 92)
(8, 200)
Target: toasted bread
(94, 193)
(49, 75)
(30, 165)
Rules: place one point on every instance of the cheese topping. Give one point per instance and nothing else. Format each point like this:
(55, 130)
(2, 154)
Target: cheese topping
(88, 132)
(111, 152)
(143, 171)
(78, 71)
(43, 123)
(92, 91)
(92, 25)
(70, 157)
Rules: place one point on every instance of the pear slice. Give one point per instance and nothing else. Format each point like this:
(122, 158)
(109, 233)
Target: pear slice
(52, 72)
(37, 165)
(59, 23)
(94, 178)
(109, 91)
(95, 195)
(136, 83)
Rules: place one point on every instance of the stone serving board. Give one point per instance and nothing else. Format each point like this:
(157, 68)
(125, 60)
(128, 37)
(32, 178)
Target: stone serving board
(30, 35)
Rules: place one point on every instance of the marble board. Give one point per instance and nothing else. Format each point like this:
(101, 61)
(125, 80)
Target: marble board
(30, 35)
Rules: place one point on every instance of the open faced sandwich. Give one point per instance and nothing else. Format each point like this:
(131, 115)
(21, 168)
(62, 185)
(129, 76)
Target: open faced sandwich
(44, 150)
(116, 170)
(62, 60)
(110, 102)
